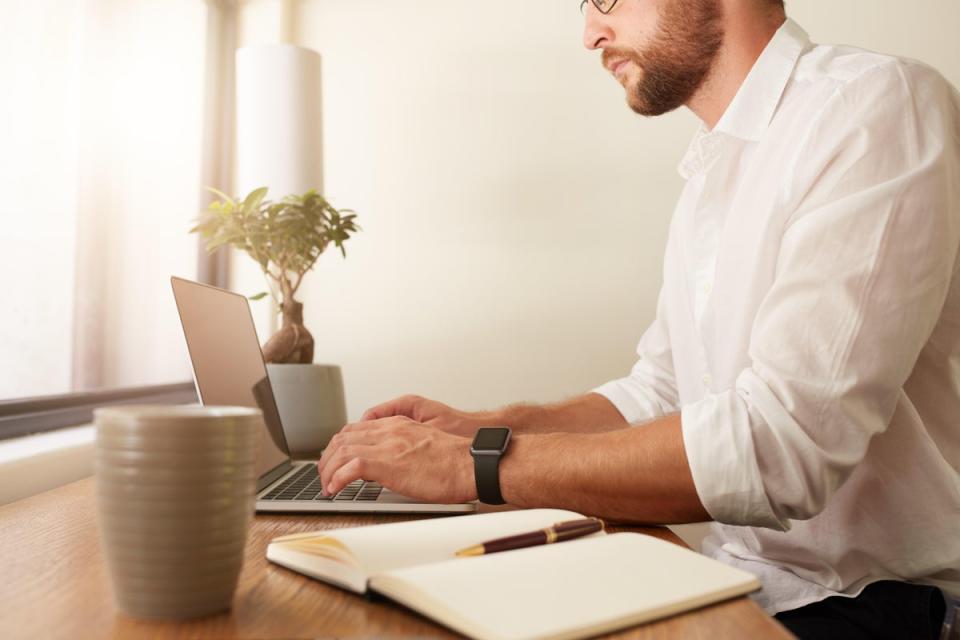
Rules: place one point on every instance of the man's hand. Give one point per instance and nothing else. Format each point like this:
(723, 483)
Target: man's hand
(404, 456)
(433, 414)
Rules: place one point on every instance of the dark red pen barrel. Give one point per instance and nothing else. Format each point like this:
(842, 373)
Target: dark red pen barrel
(515, 542)
(590, 525)
(577, 532)
(557, 533)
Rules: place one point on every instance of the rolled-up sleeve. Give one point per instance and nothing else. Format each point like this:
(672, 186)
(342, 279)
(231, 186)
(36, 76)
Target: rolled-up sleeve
(865, 264)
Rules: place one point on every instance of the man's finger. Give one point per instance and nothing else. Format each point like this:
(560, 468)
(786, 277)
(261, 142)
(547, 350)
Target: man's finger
(355, 469)
(329, 450)
(359, 433)
(329, 454)
(402, 406)
(343, 456)
(374, 412)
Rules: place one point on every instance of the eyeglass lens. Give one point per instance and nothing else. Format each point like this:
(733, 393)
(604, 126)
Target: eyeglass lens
(603, 6)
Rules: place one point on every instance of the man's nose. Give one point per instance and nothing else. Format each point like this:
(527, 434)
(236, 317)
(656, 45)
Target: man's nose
(596, 32)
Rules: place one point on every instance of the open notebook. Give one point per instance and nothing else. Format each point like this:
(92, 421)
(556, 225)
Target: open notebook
(573, 589)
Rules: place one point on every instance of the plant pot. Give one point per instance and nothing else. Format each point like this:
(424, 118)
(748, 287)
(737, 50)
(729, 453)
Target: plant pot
(311, 404)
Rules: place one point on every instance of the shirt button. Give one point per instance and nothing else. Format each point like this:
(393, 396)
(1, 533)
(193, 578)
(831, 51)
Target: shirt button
(706, 380)
(707, 288)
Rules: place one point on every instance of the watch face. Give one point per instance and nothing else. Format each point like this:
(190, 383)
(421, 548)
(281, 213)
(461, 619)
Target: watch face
(491, 439)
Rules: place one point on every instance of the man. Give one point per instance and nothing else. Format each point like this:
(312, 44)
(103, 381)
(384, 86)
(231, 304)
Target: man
(800, 385)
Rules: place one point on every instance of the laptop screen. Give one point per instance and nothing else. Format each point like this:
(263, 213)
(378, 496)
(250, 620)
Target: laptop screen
(227, 363)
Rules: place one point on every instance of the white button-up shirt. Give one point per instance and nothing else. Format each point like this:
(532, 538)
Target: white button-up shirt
(808, 328)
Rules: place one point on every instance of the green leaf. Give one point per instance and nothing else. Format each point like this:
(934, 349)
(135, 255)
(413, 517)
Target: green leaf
(253, 200)
(259, 296)
(221, 195)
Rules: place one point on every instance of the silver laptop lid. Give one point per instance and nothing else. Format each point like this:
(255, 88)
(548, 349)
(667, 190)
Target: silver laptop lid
(227, 363)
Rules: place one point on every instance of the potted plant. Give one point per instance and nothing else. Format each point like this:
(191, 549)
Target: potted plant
(286, 238)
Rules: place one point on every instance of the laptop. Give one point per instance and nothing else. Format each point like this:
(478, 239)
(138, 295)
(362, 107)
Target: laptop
(228, 369)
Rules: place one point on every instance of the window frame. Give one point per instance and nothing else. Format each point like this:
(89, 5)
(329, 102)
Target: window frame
(29, 416)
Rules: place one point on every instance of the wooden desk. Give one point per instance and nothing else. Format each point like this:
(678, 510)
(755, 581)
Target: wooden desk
(54, 584)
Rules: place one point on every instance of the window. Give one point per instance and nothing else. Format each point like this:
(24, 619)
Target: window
(101, 176)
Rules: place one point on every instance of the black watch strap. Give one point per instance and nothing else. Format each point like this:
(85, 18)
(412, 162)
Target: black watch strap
(486, 471)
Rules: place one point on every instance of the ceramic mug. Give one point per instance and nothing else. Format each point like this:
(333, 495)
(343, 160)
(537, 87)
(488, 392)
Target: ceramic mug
(175, 497)
(311, 403)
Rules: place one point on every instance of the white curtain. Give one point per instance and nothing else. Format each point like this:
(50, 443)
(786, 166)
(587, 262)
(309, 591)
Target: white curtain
(102, 116)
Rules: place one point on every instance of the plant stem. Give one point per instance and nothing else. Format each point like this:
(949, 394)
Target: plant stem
(304, 271)
(271, 285)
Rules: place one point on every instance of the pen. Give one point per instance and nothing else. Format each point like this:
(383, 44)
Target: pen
(557, 533)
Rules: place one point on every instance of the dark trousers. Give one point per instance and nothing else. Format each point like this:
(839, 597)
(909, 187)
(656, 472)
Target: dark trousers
(885, 609)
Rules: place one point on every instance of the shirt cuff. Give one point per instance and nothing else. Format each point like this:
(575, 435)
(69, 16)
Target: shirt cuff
(633, 408)
(719, 445)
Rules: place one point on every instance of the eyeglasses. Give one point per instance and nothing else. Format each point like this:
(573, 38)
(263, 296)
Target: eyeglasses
(603, 6)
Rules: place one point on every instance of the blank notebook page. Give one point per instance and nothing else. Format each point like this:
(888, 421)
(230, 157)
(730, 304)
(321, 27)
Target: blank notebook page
(565, 590)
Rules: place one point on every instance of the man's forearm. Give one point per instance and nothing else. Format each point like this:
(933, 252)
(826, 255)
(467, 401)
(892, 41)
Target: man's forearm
(632, 475)
(590, 413)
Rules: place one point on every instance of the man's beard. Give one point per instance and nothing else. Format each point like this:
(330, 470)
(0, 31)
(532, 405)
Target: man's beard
(676, 63)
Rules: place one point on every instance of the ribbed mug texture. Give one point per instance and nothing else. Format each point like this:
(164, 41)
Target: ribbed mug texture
(175, 496)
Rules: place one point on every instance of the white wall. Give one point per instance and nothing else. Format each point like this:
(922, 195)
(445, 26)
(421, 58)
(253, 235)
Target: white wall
(514, 210)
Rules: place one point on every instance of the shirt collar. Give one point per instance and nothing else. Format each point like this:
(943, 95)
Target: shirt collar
(749, 113)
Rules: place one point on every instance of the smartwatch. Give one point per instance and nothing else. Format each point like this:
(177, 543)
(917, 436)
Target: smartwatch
(489, 445)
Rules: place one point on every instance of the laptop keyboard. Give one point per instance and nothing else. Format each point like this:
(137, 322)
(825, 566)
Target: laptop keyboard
(305, 485)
